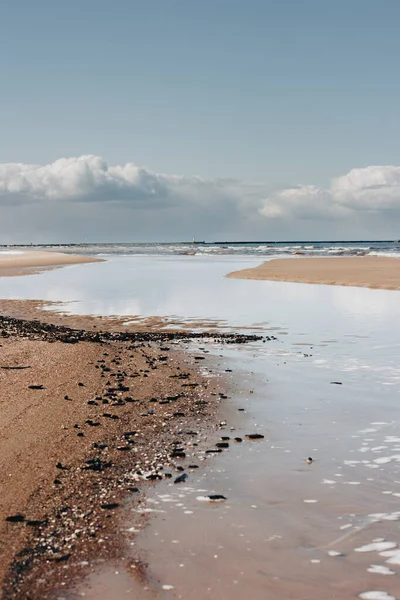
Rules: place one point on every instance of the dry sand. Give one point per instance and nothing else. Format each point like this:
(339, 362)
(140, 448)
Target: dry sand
(362, 271)
(28, 262)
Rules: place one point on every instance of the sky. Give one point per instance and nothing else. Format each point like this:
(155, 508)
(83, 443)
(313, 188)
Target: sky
(219, 119)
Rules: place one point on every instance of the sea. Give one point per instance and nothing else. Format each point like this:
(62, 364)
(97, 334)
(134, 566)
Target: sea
(260, 249)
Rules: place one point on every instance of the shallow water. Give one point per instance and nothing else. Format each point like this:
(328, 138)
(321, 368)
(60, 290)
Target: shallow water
(288, 529)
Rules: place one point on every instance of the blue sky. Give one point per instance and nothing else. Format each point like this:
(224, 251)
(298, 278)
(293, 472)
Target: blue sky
(288, 93)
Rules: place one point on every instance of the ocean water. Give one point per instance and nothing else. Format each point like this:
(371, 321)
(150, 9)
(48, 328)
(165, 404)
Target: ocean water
(259, 249)
(288, 529)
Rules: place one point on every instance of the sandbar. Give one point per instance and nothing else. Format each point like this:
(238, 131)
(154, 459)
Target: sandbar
(359, 271)
(28, 262)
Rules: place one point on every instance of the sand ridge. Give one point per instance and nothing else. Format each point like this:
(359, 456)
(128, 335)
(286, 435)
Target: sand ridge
(32, 261)
(358, 271)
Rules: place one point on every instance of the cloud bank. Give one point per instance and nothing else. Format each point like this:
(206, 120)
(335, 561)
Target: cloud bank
(373, 189)
(87, 197)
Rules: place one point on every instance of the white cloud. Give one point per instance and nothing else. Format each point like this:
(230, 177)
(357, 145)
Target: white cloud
(83, 178)
(374, 189)
(90, 178)
(84, 197)
(370, 188)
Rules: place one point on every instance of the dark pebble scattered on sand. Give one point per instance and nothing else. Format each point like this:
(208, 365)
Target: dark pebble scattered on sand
(35, 523)
(61, 467)
(178, 454)
(109, 506)
(18, 518)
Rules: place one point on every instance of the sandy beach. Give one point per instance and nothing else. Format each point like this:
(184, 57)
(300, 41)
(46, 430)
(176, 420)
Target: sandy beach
(362, 271)
(83, 404)
(326, 386)
(28, 262)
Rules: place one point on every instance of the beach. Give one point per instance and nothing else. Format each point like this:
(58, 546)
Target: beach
(362, 271)
(319, 378)
(82, 404)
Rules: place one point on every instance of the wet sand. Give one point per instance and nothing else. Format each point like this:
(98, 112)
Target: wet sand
(75, 408)
(30, 262)
(362, 271)
(288, 529)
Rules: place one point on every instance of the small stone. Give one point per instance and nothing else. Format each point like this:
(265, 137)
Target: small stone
(109, 506)
(18, 518)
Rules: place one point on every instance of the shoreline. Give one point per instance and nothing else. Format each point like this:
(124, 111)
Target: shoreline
(78, 399)
(30, 262)
(375, 272)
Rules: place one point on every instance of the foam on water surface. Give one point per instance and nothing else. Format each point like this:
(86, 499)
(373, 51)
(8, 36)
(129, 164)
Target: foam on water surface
(376, 595)
(376, 547)
(380, 570)
(392, 555)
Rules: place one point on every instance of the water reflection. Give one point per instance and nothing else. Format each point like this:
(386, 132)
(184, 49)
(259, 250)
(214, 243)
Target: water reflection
(195, 287)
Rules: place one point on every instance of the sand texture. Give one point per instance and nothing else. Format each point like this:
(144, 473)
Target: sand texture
(88, 420)
(64, 450)
(26, 263)
(361, 271)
